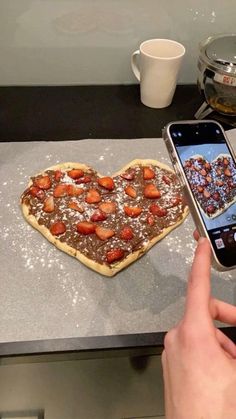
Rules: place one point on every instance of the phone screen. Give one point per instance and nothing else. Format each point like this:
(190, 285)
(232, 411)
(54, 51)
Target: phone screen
(210, 170)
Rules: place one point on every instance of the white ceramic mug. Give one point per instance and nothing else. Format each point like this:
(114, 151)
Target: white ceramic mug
(156, 65)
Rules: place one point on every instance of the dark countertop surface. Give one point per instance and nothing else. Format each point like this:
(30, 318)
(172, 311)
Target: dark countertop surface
(77, 112)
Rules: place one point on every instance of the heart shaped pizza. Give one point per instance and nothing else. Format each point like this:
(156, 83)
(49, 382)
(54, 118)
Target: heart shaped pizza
(105, 222)
(213, 183)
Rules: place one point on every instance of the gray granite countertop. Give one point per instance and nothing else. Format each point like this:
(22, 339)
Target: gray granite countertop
(46, 294)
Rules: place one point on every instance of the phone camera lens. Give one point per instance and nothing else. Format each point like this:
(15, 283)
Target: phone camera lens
(174, 134)
(217, 131)
(179, 134)
(197, 132)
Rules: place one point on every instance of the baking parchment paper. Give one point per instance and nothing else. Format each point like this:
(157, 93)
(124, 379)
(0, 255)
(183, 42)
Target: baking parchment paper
(47, 294)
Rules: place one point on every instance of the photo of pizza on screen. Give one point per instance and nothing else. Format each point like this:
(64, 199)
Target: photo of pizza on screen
(213, 183)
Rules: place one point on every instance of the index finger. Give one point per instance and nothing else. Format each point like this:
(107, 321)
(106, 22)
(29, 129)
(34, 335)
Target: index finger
(199, 287)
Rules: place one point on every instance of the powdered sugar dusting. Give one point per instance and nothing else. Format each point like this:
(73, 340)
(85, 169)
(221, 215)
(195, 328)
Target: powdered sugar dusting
(47, 294)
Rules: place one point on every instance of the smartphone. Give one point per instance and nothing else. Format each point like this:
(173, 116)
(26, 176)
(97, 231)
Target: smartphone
(205, 163)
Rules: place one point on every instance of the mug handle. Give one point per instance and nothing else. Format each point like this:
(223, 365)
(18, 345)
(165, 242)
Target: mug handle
(134, 64)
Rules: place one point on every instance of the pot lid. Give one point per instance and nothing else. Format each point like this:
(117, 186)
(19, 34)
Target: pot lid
(220, 52)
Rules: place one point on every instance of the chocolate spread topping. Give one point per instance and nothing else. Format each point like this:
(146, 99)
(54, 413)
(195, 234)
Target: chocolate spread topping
(91, 245)
(213, 183)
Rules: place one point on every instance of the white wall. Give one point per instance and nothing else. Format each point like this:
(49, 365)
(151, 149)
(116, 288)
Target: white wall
(90, 41)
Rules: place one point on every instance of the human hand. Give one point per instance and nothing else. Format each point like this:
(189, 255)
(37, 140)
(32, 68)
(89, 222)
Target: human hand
(199, 361)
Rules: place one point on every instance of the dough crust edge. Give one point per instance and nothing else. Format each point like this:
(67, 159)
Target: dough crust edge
(102, 269)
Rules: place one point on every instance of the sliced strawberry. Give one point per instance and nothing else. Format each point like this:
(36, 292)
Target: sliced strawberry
(225, 161)
(209, 179)
(43, 182)
(151, 191)
(129, 175)
(200, 188)
(93, 196)
(58, 228)
(75, 206)
(75, 173)
(210, 209)
(216, 196)
(60, 190)
(227, 172)
(132, 211)
(176, 201)
(129, 190)
(85, 227)
(58, 175)
(148, 173)
(98, 215)
(166, 179)
(104, 233)
(84, 179)
(150, 220)
(203, 172)
(115, 255)
(219, 183)
(207, 166)
(106, 182)
(157, 210)
(126, 233)
(72, 190)
(37, 192)
(206, 193)
(109, 207)
(48, 205)
(187, 163)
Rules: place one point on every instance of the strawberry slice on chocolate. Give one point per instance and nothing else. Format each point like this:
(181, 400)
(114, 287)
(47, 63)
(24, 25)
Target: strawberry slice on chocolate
(148, 173)
(132, 212)
(109, 207)
(166, 179)
(129, 175)
(93, 196)
(151, 191)
(127, 233)
(157, 210)
(106, 182)
(43, 182)
(98, 215)
(84, 179)
(85, 227)
(114, 255)
(36, 192)
(104, 233)
(60, 190)
(150, 220)
(73, 190)
(58, 175)
(48, 205)
(75, 173)
(176, 201)
(129, 190)
(75, 206)
(58, 228)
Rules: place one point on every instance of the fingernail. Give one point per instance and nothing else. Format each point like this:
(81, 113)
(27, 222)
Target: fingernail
(202, 240)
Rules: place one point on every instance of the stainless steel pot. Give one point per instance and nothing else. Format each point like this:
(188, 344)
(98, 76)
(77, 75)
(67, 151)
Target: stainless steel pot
(217, 74)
